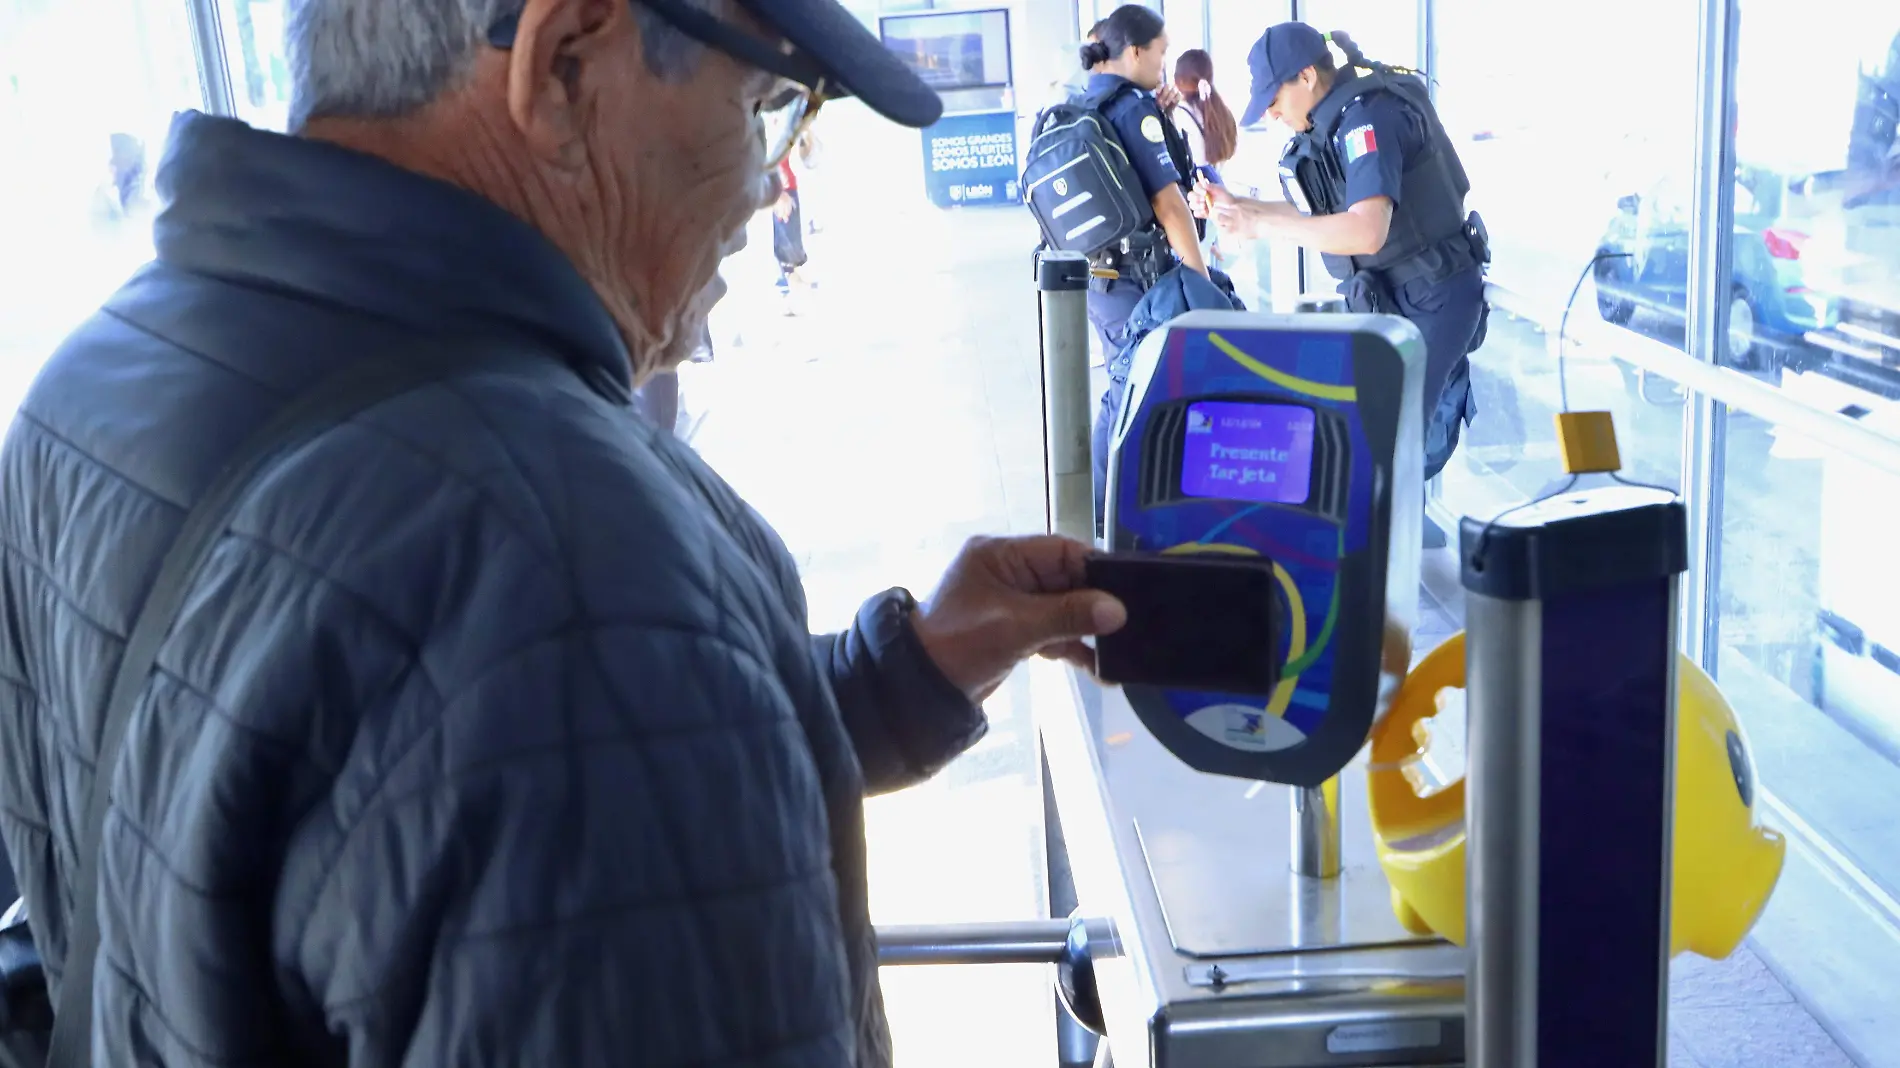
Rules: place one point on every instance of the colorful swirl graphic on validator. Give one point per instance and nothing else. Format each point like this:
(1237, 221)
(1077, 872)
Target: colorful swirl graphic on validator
(1300, 654)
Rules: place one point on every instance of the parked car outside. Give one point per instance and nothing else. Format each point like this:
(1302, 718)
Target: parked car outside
(1776, 296)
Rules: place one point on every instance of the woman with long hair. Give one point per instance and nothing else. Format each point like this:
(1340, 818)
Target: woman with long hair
(1209, 128)
(1203, 118)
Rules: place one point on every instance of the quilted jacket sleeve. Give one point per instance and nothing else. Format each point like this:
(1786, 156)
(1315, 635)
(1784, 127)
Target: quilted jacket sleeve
(607, 849)
(905, 719)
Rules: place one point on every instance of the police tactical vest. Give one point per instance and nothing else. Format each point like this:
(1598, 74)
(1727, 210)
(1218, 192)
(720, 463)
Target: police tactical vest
(1431, 207)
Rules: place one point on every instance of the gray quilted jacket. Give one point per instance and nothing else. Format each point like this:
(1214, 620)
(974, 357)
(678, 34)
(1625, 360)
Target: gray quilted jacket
(493, 733)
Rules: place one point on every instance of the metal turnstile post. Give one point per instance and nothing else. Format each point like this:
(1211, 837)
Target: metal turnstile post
(1570, 606)
(1315, 829)
(1062, 283)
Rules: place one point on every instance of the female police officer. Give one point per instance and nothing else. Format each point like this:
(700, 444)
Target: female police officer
(1373, 183)
(1127, 60)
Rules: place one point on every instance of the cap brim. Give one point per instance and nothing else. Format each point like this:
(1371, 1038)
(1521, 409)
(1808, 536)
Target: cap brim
(852, 55)
(1257, 107)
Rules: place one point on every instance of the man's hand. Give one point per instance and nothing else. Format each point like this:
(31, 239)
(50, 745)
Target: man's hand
(1006, 599)
(1167, 96)
(782, 208)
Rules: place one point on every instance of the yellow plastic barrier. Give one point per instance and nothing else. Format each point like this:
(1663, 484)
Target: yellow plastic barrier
(1725, 866)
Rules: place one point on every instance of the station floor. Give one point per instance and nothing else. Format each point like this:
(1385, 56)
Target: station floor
(897, 414)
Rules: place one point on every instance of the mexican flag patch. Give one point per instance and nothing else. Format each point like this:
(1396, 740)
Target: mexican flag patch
(1360, 141)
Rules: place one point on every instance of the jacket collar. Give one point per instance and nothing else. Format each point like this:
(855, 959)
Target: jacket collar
(353, 230)
(1103, 82)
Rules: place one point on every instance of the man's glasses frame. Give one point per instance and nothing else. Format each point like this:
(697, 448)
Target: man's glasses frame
(806, 94)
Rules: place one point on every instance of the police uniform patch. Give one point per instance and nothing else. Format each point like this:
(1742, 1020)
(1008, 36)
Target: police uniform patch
(1360, 141)
(1151, 129)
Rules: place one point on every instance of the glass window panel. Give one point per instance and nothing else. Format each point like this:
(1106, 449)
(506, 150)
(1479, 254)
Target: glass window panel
(1509, 452)
(254, 50)
(1233, 27)
(1553, 167)
(1807, 623)
(87, 93)
(1385, 30)
(1560, 176)
(1817, 272)
(1810, 656)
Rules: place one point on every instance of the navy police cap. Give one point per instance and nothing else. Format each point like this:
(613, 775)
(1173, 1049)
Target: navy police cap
(1278, 58)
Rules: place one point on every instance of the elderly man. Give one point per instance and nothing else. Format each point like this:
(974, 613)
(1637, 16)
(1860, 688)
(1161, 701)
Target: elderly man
(492, 732)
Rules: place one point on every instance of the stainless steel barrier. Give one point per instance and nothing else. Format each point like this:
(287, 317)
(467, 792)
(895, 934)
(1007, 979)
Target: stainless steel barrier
(1018, 942)
(1062, 281)
(1571, 719)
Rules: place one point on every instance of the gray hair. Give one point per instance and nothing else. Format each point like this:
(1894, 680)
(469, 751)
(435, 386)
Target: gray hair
(382, 59)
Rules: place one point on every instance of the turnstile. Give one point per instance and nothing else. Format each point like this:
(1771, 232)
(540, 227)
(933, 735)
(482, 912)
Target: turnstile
(1228, 923)
(1221, 954)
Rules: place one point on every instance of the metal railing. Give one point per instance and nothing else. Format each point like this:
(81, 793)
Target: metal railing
(1739, 391)
(1018, 942)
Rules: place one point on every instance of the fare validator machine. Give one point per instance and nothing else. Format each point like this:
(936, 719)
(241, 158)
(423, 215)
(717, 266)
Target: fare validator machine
(1205, 830)
(1288, 439)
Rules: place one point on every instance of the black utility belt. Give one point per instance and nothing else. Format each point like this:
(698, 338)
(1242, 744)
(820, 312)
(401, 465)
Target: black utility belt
(1138, 252)
(1143, 264)
(1435, 262)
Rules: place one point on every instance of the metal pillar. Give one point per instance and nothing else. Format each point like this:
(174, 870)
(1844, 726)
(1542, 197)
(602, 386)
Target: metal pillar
(214, 64)
(1315, 829)
(1570, 665)
(1711, 242)
(1062, 280)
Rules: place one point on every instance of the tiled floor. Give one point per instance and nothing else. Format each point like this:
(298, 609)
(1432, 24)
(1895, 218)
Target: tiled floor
(1736, 1014)
(897, 414)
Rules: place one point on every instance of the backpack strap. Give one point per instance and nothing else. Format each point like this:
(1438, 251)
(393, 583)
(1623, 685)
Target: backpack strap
(333, 401)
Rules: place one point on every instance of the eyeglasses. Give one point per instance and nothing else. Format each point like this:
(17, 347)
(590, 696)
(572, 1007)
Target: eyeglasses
(784, 118)
(784, 115)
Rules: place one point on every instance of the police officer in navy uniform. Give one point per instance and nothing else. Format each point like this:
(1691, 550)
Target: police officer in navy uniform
(1373, 183)
(1127, 57)
(1128, 60)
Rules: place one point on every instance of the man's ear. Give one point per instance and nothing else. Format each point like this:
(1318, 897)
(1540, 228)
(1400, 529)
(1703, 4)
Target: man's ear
(557, 43)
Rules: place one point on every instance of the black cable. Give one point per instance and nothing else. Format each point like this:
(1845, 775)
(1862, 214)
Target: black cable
(1476, 562)
(1563, 396)
(1563, 325)
(1563, 388)
(1618, 476)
